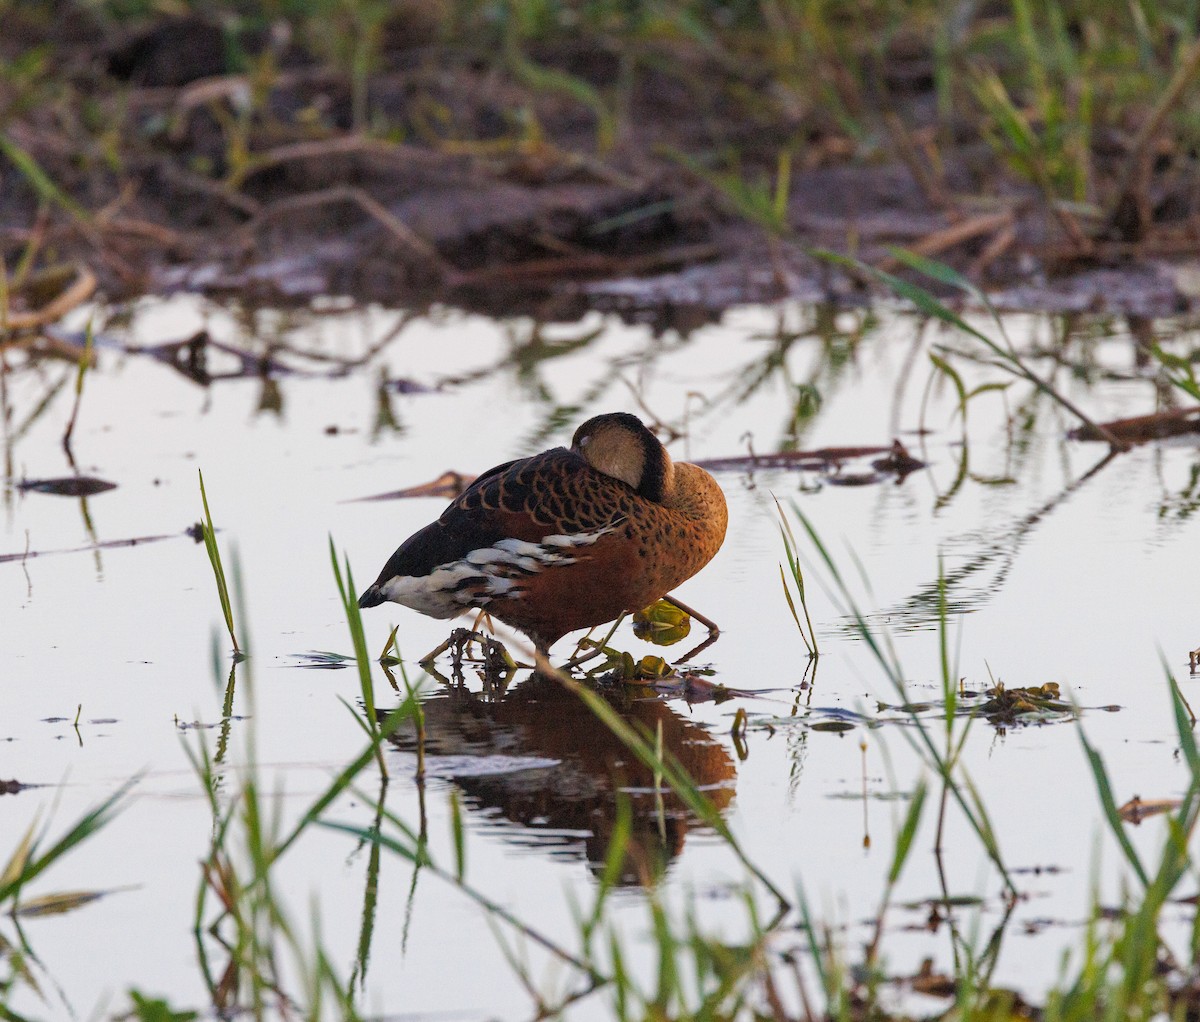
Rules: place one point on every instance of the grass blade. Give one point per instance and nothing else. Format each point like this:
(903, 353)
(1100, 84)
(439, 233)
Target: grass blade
(214, 558)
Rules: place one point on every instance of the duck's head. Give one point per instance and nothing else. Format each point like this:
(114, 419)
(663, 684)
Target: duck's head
(619, 444)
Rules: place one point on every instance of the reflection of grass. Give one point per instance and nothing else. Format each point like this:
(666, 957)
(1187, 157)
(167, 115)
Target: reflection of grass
(940, 753)
(929, 304)
(240, 913)
(697, 972)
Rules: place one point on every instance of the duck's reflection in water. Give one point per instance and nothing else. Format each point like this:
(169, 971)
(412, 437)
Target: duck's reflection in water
(541, 764)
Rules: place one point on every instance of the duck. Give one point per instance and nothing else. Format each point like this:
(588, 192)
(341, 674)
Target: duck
(567, 539)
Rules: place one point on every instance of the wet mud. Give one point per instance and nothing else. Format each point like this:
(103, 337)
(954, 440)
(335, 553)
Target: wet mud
(268, 189)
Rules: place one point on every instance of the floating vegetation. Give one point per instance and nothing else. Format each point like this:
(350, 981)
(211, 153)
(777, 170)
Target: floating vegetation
(322, 660)
(1140, 429)
(448, 485)
(663, 624)
(1001, 707)
(67, 486)
(1138, 809)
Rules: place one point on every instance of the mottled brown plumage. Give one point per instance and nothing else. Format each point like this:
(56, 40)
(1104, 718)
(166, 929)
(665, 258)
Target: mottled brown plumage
(564, 540)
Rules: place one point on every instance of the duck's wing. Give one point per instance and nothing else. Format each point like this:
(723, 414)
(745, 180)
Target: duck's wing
(555, 492)
(521, 516)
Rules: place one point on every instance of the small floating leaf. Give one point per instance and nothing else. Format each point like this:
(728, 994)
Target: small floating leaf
(449, 484)
(833, 725)
(68, 486)
(1138, 809)
(653, 667)
(323, 660)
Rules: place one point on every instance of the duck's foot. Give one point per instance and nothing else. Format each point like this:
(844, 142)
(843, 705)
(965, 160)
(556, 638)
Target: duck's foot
(498, 665)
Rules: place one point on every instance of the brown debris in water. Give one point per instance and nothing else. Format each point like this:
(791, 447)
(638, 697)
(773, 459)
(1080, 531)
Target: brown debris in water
(1140, 429)
(895, 463)
(1138, 808)
(67, 486)
(448, 485)
(1004, 704)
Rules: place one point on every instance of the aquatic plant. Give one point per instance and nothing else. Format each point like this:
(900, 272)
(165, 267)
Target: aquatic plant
(209, 535)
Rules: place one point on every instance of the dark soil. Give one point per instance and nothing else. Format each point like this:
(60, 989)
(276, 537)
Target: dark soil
(171, 171)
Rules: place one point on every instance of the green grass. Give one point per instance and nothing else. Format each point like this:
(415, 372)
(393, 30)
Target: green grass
(34, 853)
(246, 936)
(209, 534)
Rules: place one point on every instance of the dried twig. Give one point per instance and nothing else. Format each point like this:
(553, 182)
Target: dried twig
(73, 295)
(955, 234)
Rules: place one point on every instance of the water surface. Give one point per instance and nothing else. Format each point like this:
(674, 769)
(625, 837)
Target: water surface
(1063, 568)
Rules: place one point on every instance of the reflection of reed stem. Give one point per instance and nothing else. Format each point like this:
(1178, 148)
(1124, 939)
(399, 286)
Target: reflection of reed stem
(370, 895)
(659, 807)
(85, 358)
(226, 712)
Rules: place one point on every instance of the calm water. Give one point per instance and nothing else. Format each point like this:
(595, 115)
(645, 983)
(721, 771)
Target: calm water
(1057, 576)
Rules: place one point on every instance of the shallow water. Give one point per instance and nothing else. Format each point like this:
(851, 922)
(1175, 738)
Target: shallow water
(1063, 568)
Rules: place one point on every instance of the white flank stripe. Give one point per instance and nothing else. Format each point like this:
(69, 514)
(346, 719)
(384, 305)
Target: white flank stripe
(499, 567)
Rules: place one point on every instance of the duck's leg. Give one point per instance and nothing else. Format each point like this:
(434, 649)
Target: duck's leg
(708, 623)
(483, 617)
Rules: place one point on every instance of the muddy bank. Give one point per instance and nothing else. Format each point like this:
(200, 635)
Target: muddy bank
(147, 158)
